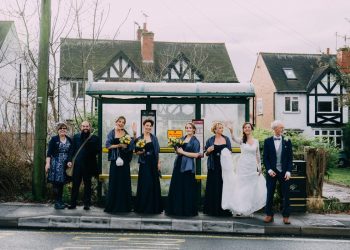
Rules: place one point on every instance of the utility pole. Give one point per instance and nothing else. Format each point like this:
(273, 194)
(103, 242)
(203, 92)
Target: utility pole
(20, 105)
(38, 186)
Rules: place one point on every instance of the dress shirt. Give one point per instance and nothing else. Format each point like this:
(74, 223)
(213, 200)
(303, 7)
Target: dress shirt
(277, 142)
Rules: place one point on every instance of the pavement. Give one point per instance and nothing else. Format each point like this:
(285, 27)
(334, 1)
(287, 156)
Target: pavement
(44, 216)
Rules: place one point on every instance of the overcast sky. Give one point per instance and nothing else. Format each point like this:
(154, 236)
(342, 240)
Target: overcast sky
(247, 27)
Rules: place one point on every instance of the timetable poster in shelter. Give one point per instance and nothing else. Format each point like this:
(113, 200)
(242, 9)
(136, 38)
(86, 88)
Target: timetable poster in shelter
(199, 132)
(149, 114)
(175, 133)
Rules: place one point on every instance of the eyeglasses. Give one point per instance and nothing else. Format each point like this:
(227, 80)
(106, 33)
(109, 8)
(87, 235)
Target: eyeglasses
(62, 128)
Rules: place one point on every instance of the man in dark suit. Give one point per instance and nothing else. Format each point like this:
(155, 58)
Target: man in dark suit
(85, 163)
(278, 159)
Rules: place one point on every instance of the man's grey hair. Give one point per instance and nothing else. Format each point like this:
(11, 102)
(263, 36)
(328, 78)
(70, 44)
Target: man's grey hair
(276, 123)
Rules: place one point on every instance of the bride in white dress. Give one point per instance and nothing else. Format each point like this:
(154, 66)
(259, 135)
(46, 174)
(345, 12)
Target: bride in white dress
(244, 187)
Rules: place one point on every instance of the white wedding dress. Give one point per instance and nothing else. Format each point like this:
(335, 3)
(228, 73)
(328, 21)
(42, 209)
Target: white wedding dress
(243, 190)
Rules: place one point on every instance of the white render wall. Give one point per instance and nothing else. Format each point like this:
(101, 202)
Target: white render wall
(298, 120)
(10, 60)
(68, 103)
(292, 120)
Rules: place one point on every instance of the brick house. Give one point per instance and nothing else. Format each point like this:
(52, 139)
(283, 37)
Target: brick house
(303, 90)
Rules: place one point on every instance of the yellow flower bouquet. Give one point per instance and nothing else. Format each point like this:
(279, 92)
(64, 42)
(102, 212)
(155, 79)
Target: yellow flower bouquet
(126, 139)
(140, 144)
(175, 142)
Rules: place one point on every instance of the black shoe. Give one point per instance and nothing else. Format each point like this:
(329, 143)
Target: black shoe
(59, 205)
(72, 207)
(86, 207)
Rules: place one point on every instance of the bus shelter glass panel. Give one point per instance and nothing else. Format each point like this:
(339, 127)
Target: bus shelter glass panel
(230, 115)
(170, 116)
(132, 113)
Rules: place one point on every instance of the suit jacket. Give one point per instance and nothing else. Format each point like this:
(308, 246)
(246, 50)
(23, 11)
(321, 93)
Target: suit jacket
(270, 157)
(87, 155)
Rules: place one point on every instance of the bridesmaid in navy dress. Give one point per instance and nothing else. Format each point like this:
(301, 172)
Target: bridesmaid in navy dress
(119, 188)
(148, 196)
(213, 192)
(182, 197)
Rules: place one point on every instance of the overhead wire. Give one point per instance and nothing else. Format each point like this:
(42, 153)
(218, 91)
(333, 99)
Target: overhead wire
(281, 25)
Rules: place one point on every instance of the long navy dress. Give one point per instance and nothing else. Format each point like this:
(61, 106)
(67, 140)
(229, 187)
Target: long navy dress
(148, 196)
(119, 188)
(182, 199)
(213, 191)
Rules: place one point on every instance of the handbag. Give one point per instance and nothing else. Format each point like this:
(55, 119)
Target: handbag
(119, 162)
(69, 171)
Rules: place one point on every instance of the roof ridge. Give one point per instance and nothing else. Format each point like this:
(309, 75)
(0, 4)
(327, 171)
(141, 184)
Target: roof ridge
(110, 40)
(6, 21)
(296, 54)
(97, 40)
(190, 42)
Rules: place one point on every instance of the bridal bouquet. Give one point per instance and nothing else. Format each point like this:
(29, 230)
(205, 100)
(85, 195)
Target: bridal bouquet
(175, 142)
(140, 144)
(126, 139)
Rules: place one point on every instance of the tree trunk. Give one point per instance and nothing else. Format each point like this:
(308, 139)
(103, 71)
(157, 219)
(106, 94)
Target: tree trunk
(315, 171)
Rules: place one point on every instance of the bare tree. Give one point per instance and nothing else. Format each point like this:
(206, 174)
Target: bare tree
(66, 21)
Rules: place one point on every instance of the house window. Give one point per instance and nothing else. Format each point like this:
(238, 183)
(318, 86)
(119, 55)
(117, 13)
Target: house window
(331, 136)
(328, 104)
(259, 106)
(291, 104)
(289, 72)
(335, 104)
(77, 90)
(325, 106)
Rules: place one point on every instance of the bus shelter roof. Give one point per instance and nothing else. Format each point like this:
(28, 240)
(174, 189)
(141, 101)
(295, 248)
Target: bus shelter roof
(168, 89)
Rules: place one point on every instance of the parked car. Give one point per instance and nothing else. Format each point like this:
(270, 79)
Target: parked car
(343, 160)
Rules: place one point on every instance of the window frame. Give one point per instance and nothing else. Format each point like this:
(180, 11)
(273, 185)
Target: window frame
(330, 136)
(289, 73)
(292, 99)
(331, 100)
(77, 90)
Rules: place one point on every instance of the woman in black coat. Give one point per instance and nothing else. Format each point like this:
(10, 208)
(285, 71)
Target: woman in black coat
(58, 153)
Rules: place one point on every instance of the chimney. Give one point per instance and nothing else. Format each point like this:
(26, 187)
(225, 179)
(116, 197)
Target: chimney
(343, 60)
(327, 52)
(147, 45)
(139, 33)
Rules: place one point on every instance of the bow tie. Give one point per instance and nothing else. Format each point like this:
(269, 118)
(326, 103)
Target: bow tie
(277, 138)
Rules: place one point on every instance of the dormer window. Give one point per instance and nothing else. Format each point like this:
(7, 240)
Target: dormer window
(289, 72)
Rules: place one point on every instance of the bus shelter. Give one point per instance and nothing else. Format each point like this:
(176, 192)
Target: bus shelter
(171, 105)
